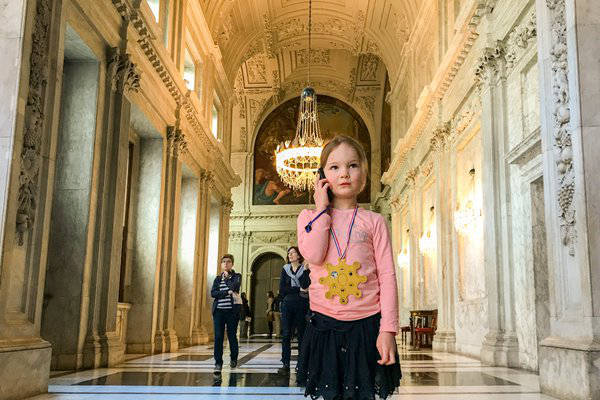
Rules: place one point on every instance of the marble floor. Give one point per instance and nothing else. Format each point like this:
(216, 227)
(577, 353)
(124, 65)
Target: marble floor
(188, 374)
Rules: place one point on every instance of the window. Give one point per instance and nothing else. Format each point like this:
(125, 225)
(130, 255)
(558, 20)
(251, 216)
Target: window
(160, 9)
(155, 7)
(215, 121)
(189, 71)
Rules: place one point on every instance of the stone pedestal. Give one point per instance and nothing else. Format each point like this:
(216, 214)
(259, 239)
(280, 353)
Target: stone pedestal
(569, 369)
(444, 341)
(500, 349)
(25, 368)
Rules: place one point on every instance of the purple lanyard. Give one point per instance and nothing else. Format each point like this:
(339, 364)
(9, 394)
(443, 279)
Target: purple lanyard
(336, 241)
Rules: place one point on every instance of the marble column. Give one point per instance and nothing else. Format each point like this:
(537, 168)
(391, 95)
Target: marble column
(445, 336)
(141, 322)
(102, 345)
(68, 270)
(202, 316)
(185, 295)
(26, 118)
(165, 336)
(568, 48)
(500, 346)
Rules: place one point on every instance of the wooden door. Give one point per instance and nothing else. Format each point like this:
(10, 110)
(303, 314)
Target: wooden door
(266, 272)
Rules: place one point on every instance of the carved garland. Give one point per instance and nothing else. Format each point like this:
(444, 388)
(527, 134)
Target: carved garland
(562, 117)
(34, 121)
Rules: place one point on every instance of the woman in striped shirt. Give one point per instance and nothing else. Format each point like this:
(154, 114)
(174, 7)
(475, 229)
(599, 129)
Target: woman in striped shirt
(225, 312)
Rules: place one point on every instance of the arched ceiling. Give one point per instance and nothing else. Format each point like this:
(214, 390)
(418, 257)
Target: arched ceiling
(244, 28)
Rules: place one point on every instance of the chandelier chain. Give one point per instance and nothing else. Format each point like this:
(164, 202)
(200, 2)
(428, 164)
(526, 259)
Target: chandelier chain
(309, 36)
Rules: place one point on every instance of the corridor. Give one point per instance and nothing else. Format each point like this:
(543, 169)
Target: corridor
(188, 374)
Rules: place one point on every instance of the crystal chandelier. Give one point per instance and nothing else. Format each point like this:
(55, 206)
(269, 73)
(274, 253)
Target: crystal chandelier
(467, 219)
(427, 242)
(297, 161)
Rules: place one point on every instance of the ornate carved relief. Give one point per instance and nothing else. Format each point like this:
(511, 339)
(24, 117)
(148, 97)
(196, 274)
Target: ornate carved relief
(440, 136)
(176, 141)
(490, 64)
(368, 103)
(464, 118)
(562, 117)
(243, 138)
(238, 237)
(269, 37)
(256, 69)
(34, 121)
(125, 75)
(369, 65)
(275, 237)
(427, 168)
(411, 176)
(519, 39)
(227, 205)
(317, 57)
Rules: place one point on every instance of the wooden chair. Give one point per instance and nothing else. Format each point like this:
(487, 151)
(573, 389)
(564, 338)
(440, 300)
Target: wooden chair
(404, 330)
(424, 334)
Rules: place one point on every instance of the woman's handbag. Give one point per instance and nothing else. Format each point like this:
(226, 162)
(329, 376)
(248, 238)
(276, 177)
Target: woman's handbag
(237, 299)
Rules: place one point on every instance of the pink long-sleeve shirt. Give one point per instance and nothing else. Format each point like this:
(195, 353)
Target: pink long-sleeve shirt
(370, 246)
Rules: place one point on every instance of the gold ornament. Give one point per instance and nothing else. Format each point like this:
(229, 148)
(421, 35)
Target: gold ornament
(343, 280)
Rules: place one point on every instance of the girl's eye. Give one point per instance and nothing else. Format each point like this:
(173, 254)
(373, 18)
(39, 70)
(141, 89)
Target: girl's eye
(354, 165)
(333, 167)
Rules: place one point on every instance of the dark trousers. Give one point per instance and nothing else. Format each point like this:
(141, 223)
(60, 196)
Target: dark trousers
(293, 316)
(270, 324)
(226, 318)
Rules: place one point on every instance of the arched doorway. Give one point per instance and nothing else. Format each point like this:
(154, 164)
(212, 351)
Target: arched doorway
(266, 271)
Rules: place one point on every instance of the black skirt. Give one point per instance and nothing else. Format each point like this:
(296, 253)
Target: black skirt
(338, 360)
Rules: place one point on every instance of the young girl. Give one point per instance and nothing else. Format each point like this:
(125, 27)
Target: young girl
(349, 348)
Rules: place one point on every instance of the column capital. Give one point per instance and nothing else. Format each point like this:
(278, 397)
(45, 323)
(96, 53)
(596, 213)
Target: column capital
(411, 176)
(490, 64)
(176, 141)
(227, 205)
(124, 74)
(440, 137)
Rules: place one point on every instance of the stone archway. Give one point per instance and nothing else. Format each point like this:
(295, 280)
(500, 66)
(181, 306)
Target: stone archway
(266, 272)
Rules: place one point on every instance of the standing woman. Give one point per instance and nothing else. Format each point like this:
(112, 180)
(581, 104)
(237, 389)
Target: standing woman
(270, 312)
(293, 289)
(226, 313)
(245, 317)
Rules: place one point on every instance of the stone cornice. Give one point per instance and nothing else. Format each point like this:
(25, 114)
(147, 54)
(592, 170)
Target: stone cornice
(173, 82)
(449, 67)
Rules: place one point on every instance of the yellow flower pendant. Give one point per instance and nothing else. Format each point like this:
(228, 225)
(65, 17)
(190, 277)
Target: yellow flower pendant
(342, 280)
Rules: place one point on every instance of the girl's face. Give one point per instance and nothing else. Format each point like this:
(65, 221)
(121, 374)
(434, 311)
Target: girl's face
(293, 255)
(344, 173)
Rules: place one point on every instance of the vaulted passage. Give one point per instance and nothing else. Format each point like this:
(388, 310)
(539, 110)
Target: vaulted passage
(140, 143)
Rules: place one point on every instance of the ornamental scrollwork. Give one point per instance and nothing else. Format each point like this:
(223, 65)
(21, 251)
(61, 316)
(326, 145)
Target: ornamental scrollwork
(490, 63)
(562, 117)
(176, 141)
(125, 75)
(34, 121)
(440, 136)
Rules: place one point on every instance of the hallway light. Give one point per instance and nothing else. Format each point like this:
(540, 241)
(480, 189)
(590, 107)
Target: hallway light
(428, 241)
(467, 219)
(297, 161)
(403, 258)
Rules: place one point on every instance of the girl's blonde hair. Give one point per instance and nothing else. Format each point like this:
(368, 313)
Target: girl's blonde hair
(360, 151)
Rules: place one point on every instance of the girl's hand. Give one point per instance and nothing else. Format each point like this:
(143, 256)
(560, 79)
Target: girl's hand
(320, 196)
(386, 345)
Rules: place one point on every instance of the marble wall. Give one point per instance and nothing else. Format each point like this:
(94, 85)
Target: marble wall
(141, 328)
(186, 257)
(66, 275)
